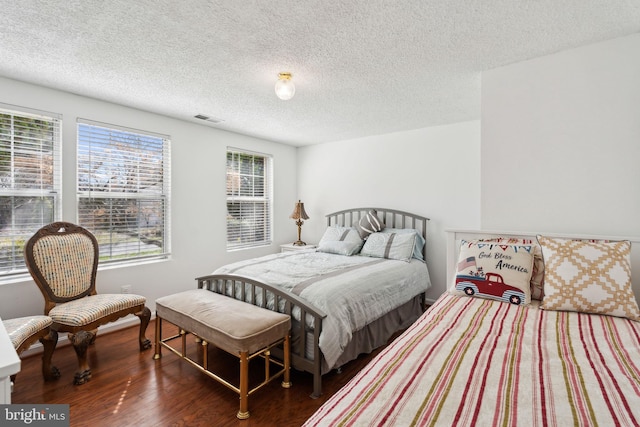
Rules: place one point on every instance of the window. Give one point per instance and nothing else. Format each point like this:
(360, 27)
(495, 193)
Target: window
(249, 194)
(29, 180)
(123, 190)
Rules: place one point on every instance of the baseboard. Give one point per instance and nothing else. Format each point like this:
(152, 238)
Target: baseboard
(63, 340)
(429, 301)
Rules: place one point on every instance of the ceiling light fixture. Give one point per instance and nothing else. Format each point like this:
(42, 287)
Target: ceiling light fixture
(285, 89)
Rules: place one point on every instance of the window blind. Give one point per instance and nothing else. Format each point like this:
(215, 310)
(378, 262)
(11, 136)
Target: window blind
(123, 190)
(30, 180)
(249, 199)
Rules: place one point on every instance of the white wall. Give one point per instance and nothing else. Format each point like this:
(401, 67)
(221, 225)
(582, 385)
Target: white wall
(433, 172)
(198, 211)
(561, 142)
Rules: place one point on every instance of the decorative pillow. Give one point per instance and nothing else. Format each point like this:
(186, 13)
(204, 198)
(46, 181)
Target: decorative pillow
(537, 273)
(370, 223)
(340, 240)
(495, 270)
(589, 277)
(390, 246)
(420, 242)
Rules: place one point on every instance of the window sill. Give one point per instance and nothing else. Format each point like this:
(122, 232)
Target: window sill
(26, 277)
(134, 263)
(257, 246)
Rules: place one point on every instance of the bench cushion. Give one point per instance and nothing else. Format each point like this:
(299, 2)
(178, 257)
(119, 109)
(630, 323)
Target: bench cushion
(231, 325)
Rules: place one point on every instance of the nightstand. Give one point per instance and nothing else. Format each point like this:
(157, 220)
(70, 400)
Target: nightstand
(291, 247)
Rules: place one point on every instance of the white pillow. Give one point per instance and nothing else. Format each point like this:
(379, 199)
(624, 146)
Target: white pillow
(340, 240)
(397, 246)
(339, 248)
(420, 242)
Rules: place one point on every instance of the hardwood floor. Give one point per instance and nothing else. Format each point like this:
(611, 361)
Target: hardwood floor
(129, 388)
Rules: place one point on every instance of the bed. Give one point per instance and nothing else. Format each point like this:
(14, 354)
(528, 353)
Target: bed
(473, 360)
(365, 281)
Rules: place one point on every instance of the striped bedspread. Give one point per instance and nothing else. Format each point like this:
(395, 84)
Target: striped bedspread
(471, 361)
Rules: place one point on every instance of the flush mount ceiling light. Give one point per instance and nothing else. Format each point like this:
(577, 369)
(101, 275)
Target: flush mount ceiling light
(285, 89)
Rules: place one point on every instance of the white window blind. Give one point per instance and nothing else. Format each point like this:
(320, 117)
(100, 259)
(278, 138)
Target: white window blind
(123, 190)
(249, 199)
(30, 180)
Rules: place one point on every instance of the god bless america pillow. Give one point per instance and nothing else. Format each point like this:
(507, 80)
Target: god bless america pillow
(495, 271)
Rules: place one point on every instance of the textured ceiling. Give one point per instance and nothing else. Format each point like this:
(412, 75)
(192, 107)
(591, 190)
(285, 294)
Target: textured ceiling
(361, 67)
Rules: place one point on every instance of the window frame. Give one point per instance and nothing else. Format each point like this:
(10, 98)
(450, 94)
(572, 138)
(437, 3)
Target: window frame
(53, 191)
(266, 228)
(163, 197)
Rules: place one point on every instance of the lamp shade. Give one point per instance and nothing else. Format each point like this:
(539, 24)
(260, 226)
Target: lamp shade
(285, 89)
(299, 212)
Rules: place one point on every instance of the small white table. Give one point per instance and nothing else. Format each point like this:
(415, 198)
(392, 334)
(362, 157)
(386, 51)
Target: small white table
(9, 365)
(287, 247)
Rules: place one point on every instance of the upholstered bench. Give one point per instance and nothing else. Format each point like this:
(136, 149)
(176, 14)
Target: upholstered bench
(238, 328)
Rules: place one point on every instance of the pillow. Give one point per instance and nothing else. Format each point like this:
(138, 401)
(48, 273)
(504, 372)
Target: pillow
(420, 242)
(340, 240)
(537, 273)
(337, 233)
(495, 270)
(370, 223)
(390, 245)
(340, 248)
(588, 277)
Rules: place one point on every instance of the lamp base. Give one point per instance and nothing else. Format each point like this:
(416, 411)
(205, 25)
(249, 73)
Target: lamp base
(299, 243)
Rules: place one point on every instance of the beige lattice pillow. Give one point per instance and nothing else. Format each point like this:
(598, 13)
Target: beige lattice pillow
(589, 277)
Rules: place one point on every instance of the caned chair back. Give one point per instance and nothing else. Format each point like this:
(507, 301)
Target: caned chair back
(63, 260)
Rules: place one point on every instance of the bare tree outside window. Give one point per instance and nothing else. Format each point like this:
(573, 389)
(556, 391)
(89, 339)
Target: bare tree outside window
(248, 199)
(123, 187)
(29, 181)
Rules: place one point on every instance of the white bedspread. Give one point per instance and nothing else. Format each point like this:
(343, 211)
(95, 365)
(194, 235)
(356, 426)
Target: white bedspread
(352, 290)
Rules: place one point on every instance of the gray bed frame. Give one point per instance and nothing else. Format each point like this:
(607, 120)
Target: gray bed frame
(306, 334)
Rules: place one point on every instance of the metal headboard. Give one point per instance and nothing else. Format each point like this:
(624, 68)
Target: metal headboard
(391, 217)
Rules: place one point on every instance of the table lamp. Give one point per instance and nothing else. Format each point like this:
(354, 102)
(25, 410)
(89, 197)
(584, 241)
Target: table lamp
(299, 214)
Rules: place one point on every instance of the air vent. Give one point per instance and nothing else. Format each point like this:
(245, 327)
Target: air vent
(208, 119)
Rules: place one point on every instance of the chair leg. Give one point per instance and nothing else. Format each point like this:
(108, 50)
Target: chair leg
(145, 317)
(81, 341)
(49, 342)
(94, 332)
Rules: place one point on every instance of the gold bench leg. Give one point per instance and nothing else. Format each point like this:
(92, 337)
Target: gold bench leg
(205, 354)
(286, 382)
(158, 353)
(243, 413)
(244, 357)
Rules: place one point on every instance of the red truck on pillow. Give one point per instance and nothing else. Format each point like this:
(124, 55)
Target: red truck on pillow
(490, 285)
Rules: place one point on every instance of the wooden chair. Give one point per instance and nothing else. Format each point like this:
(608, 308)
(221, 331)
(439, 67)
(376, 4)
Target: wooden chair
(24, 331)
(63, 260)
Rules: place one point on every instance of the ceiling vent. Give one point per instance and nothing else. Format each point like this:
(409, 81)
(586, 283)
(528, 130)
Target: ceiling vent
(208, 119)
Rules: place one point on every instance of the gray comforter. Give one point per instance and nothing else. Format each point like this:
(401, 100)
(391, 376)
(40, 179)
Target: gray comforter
(352, 290)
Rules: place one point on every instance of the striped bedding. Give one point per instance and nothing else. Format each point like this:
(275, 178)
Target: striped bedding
(472, 361)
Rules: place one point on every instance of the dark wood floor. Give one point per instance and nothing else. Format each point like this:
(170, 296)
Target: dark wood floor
(129, 388)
